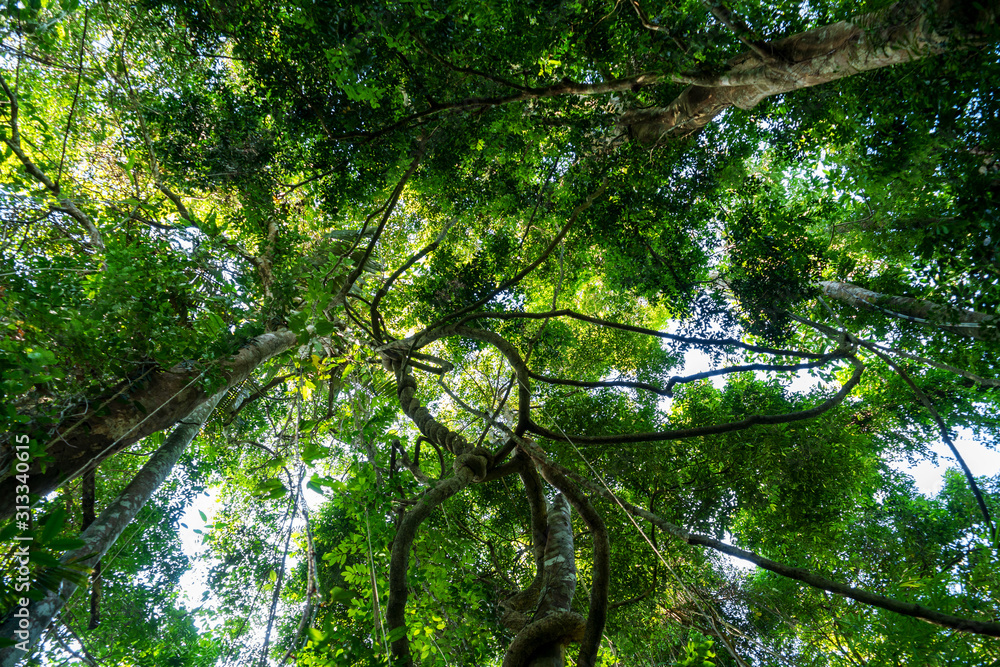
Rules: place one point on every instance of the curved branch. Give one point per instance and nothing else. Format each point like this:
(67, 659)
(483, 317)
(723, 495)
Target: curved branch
(564, 87)
(687, 340)
(528, 269)
(431, 247)
(946, 436)
(431, 428)
(390, 352)
(399, 563)
(668, 389)
(66, 205)
(353, 276)
(926, 402)
(714, 429)
(816, 581)
(976, 379)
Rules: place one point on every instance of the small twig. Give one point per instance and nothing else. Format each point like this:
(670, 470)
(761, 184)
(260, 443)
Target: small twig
(76, 96)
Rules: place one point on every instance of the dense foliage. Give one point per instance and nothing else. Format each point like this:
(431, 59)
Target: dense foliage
(447, 265)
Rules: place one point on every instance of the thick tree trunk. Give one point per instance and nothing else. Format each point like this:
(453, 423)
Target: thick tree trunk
(968, 323)
(897, 34)
(138, 409)
(543, 639)
(101, 535)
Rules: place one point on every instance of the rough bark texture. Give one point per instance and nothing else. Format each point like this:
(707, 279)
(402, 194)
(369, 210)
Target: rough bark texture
(152, 404)
(102, 534)
(968, 323)
(542, 641)
(897, 34)
(600, 584)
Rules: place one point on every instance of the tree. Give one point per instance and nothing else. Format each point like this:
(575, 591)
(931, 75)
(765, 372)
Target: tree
(426, 249)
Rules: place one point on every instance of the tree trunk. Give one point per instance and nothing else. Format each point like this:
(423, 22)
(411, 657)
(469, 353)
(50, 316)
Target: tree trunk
(897, 34)
(101, 535)
(968, 323)
(89, 501)
(135, 411)
(542, 641)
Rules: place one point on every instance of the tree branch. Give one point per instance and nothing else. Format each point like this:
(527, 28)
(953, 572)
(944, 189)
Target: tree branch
(715, 429)
(14, 143)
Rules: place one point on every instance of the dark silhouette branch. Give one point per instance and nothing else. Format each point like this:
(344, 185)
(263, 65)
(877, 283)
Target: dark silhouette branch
(715, 429)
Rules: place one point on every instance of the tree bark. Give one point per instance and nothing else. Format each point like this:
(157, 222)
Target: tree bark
(542, 641)
(102, 534)
(89, 501)
(138, 409)
(968, 323)
(900, 33)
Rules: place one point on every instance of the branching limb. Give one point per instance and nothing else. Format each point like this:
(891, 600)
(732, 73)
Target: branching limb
(926, 402)
(154, 165)
(14, 143)
(467, 70)
(431, 247)
(668, 389)
(392, 351)
(685, 340)
(76, 96)
(985, 382)
(946, 436)
(412, 466)
(564, 87)
(528, 269)
(389, 208)
(807, 577)
(431, 428)
(740, 29)
(714, 429)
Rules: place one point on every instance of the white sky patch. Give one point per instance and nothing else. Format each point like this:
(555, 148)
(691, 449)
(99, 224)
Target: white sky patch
(192, 582)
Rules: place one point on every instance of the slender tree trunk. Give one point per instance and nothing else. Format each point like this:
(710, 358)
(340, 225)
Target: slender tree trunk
(89, 501)
(137, 409)
(897, 34)
(968, 323)
(102, 534)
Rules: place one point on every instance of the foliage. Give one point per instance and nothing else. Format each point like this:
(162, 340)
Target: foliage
(446, 203)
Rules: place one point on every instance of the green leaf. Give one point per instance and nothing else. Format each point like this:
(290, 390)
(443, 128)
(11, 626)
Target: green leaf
(43, 558)
(338, 594)
(66, 543)
(52, 524)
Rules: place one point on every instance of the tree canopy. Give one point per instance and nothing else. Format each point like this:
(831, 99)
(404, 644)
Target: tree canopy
(412, 290)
